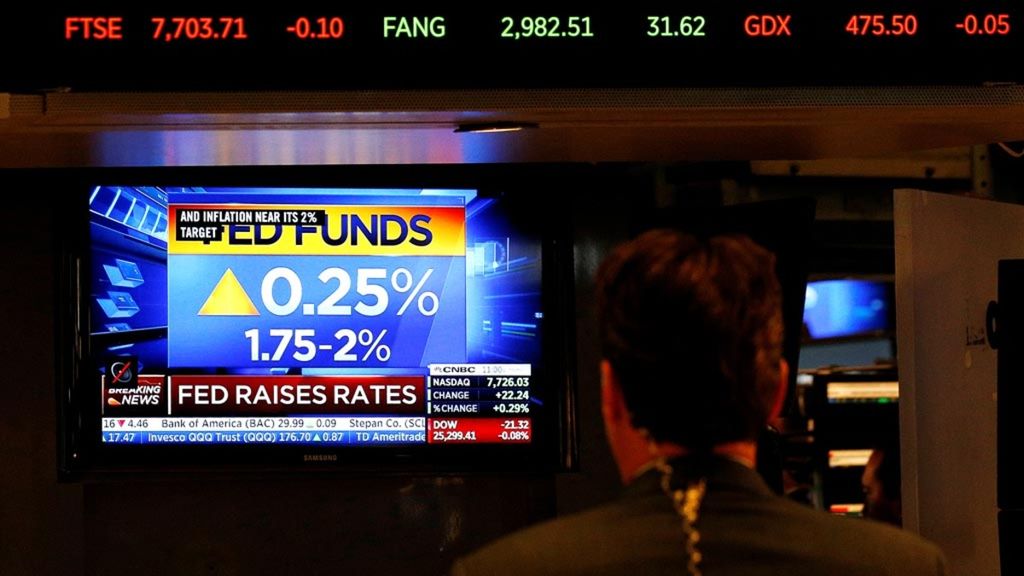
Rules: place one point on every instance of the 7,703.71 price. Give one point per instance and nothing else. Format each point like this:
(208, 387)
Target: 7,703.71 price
(198, 28)
(882, 25)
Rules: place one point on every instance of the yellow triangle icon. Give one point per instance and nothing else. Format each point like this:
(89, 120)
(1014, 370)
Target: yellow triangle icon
(228, 299)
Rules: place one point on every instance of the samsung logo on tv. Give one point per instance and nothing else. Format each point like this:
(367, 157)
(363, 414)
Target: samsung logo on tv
(319, 457)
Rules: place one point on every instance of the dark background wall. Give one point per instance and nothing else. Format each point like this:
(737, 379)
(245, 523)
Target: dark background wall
(248, 522)
(41, 522)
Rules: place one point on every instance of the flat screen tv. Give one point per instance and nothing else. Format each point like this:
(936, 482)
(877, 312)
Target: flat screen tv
(209, 322)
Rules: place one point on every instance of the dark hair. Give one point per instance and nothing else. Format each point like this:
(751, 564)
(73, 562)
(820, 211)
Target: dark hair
(888, 470)
(693, 331)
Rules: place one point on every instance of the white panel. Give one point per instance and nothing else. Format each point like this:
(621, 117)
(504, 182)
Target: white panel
(947, 249)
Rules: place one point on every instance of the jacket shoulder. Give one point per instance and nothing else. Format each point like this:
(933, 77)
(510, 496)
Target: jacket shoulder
(584, 543)
(880, 548)
(767, 536)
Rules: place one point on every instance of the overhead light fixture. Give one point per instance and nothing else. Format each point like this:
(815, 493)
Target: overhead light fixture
(494, 127)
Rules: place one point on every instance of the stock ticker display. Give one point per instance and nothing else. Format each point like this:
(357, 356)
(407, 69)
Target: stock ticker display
(318, 317)
(169, 46)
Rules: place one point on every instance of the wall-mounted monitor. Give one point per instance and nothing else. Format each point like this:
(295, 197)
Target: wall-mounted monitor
(394, 327)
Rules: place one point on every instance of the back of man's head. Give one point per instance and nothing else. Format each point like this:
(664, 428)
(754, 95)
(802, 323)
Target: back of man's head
(693, 331)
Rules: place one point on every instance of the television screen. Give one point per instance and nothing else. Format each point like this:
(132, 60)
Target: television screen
(847, 308)
(320, 323)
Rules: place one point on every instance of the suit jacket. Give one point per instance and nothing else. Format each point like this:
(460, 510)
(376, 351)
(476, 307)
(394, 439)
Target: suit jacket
(744, 528)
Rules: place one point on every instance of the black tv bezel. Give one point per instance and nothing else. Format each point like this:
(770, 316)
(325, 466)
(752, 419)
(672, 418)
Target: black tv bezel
(81, 454)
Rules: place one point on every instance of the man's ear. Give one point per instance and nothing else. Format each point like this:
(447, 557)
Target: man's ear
(613, 404)
(780, 392)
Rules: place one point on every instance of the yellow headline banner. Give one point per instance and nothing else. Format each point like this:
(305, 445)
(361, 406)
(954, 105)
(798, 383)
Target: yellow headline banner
(258, 229)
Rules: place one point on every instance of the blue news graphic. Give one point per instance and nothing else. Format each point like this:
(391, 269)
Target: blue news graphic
(503, 293)
(401, 326)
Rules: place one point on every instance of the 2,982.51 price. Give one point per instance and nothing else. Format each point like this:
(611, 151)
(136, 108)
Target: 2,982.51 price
(545, 27)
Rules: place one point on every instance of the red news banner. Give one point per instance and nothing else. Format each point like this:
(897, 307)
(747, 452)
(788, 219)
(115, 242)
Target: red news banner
(224, 395)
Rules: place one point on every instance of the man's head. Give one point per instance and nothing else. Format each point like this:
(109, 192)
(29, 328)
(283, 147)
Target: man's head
(692, 337)
(881, 482)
